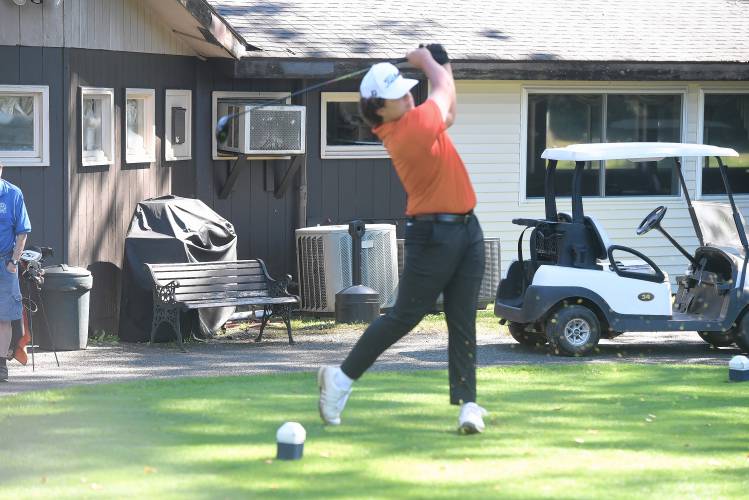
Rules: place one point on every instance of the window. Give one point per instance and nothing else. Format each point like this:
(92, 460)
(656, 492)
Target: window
(178, 129)
(24, 125)
(97, 126)
(726, 124)
(220, 106)
(344, 134)
(140, 129)
(560, 119)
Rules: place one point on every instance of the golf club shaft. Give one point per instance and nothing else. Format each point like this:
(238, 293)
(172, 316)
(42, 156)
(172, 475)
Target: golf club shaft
(301, 91)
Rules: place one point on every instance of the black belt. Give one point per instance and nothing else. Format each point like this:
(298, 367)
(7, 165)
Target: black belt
(445, 218)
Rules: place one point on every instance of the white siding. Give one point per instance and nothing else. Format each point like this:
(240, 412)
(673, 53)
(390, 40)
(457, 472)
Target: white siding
(489, 135)
(122, 25)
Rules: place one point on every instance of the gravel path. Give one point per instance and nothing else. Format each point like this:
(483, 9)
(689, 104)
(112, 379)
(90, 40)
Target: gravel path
(419, 350)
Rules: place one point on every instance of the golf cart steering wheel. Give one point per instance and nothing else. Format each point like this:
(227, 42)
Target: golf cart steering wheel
(651, 220)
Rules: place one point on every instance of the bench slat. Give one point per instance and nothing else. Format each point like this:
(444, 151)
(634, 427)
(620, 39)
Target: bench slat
(186, 294)
(219, 293)
(245, 301)
(207, 280)
(177, 266)
(218, 286)
(198, 273)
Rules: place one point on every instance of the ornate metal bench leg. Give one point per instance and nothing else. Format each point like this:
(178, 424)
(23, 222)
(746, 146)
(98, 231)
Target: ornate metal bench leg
(160, 315)
(177, 328)
(287, 320)
(266, 316)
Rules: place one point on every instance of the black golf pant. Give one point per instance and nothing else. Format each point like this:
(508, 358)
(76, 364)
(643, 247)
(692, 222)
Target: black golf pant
(439, 257)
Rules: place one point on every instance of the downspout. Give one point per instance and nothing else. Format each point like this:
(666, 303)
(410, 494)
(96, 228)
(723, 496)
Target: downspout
(302, 189)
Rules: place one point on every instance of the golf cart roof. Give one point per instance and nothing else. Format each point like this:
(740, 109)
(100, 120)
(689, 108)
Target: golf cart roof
(650, 151)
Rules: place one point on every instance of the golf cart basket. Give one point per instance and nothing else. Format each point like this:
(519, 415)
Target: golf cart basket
(546, 242)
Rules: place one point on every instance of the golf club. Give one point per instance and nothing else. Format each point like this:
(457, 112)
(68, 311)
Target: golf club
(222, 125)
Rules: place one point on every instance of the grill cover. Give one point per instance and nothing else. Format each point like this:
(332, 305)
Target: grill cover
(165, 230)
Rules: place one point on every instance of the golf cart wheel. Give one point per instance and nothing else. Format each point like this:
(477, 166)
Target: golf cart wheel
(719, 339)
(531, 339)
(573, 330)
(741, 333)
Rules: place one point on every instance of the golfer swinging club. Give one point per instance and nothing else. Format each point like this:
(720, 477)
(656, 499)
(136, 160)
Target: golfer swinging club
(444, 247)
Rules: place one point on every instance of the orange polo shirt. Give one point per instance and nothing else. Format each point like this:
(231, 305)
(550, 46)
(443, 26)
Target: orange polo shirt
(425, 158)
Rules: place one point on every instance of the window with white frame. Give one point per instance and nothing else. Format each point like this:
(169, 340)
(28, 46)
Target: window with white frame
(140, 126)
(97, 126)
(344, 134)
(222, 100)
(24, 125)
(557, 119)
(726, 123)
(178, 128)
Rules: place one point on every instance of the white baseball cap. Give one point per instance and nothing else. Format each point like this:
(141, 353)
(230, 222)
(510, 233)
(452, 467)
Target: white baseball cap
(384, 80)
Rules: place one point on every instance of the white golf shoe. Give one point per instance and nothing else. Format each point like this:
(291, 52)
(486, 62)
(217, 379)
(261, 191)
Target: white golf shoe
(471, 419)
(332, 398)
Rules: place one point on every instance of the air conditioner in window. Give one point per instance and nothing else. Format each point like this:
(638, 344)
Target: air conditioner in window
(324, 264)
(492, 272)
(267, 130)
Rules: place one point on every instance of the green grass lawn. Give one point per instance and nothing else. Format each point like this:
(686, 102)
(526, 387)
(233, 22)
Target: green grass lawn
(557, 431)
(486, 321)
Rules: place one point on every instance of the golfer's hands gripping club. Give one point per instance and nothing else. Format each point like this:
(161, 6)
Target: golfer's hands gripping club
(438, 52)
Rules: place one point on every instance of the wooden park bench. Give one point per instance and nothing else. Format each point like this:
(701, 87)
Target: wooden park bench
(195, 285)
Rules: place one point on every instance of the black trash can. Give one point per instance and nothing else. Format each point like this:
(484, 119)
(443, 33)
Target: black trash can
(65, 299)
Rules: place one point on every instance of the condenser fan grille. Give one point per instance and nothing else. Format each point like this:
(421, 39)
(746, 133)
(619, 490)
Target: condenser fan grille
(275, 130)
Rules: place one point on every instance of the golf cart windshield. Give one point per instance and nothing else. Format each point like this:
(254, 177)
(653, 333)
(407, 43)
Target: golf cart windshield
(718, 228)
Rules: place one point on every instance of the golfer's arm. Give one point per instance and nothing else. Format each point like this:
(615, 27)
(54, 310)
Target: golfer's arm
(443, 88)
(20, 244)
(451, 112)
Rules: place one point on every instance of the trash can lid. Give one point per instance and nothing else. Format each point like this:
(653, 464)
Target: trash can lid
(67, 271)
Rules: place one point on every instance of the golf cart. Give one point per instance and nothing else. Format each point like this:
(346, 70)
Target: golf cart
(573, 291)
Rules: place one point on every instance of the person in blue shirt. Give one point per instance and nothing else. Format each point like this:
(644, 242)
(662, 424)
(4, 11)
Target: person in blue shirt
(14, 228)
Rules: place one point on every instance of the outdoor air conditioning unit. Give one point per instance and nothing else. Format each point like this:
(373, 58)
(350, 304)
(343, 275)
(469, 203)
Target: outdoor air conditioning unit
(324, 264)
(492, 271)
(267, 130)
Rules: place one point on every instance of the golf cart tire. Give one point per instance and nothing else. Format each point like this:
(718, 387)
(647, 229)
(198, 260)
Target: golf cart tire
(741, 333)
(530, 339)
(719, 339)
(573, 330)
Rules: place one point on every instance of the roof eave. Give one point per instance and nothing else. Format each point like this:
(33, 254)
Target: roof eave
(216, 27)
(308, 68)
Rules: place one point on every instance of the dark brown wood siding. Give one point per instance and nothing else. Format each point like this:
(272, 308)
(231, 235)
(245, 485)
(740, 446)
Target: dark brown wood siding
(42, 186)
(84, 212)
(264, 223)
(101, 199)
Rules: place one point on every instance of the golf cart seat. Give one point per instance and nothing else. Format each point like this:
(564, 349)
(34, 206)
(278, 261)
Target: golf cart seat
(643, 268)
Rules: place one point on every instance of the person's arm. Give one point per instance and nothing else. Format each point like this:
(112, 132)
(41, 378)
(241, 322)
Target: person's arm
(20, 245)
(441, 80)
(22, 228)
(451, 112)
(17, 250)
